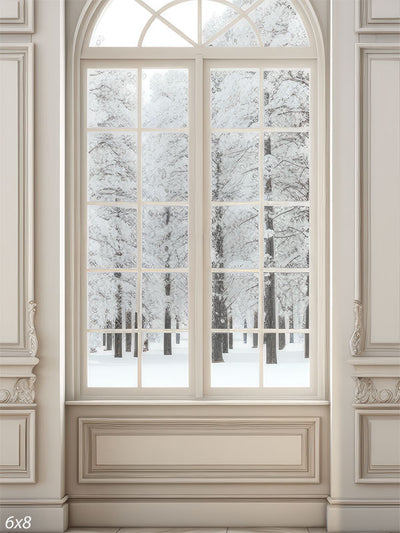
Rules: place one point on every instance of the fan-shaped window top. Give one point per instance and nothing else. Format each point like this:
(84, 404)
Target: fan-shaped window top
(273, 23)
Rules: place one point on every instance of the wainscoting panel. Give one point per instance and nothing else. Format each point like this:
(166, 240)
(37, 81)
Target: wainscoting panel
(199, 449)
(17, 446)
(16, 16)
(377, 446)
(378, 16)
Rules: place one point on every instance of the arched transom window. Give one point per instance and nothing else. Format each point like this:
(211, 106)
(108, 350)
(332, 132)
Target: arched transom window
(200, 184)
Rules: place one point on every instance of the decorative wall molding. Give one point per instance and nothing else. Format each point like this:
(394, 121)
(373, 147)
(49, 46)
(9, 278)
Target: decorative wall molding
(122, 450)
(22, 392)
(17, 435)
(367, 391)
(377, 452)
(16, 16)
(376, 309)
(32, 336)
(357, 336)
(377, 16)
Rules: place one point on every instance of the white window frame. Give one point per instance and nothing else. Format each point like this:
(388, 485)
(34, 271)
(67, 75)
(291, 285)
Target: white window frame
(198, 59)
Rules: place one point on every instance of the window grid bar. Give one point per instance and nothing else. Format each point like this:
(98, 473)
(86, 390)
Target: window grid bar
(139, 230)
(265, 203)
(266, 269)
(262, 330)
(260, 317)
(138, 330)
(135, 204)
(135, 130)
(265, 129)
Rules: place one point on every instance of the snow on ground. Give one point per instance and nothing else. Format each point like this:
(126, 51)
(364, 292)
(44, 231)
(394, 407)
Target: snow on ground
(240, 368)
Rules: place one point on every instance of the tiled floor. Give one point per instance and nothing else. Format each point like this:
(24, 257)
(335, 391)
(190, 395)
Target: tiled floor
(201, 530)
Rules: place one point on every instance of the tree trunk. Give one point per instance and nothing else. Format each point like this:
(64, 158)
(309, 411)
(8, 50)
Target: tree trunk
(230, 324)
(307, 322)
(218, 317)
(269, 284)
(104, 341)
(245, 334)
(118, 318)
(109, 341)
(255, 325)
(167, 316)
(291, 323)
(128, 336)
(178, 335)
(282, 336)
(136, 348)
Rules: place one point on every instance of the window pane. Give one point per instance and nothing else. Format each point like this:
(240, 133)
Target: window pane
(279, 24)
(165, 360)
(235, 363)
(286, 167)
(165, 300)
(286, 98)
(291, 366)
(111, 296)
(165, 167)
(286, 237)
(241, 34)
(234, 238)
(112, 95)
(286, 297)
(235, 166)
(112, 237)
(120, 24)
(234, 300)
(110, 361)
(215, 17)
(165, 98)
(184, 17)
(234, 98)
(112, 166)
(165, 237)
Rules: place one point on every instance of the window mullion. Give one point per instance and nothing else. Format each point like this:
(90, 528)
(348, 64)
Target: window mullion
(200, 267)
(139, 230)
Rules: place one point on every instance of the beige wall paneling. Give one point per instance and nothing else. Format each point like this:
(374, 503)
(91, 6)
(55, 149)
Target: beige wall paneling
(377, 446)
(377, 295)
(16, 16)
(45, 499)
(377, 16)
(115, 450)
(17, 446)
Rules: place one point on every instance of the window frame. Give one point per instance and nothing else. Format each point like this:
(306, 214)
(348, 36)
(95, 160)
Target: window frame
(200, 59)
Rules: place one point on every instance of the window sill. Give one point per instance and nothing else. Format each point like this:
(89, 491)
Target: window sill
(276, 402)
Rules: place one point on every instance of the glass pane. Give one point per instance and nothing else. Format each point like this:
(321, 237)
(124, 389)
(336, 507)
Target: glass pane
(286, 360)
(235, 159)
(279, 24)
(120, 24)
(234, 238)
(160, 34)
(286, 166)
(286, 98)
(165, 300)
(286, 237)
(112, 98)
(241, 34)
(112, 237)
(234, 300)
(286, 296)
(215, 17)
(235, 363)
(165, 360)
(165, 98)
(234, 98)
(165, 237)
(165, 167)
(112, 167)
(111, 297)
(110, 361)
(184, 17)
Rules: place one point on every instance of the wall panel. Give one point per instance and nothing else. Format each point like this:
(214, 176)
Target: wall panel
(17, 446)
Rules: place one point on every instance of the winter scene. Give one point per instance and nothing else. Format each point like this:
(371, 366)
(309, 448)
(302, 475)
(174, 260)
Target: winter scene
(138, 282)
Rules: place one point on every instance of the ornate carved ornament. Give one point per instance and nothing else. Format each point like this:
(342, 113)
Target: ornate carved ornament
(32, 337)
(367, 392)
(357, 336)
(22, 392)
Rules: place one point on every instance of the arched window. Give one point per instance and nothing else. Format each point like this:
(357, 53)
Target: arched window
(199, 128)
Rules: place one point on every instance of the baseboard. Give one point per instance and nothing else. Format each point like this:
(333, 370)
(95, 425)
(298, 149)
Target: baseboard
(197, 513)
(369, 516)
(50, 516)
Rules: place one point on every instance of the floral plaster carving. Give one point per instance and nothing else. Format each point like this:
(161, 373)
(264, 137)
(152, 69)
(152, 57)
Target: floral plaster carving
(356, 338)
(367, 392)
